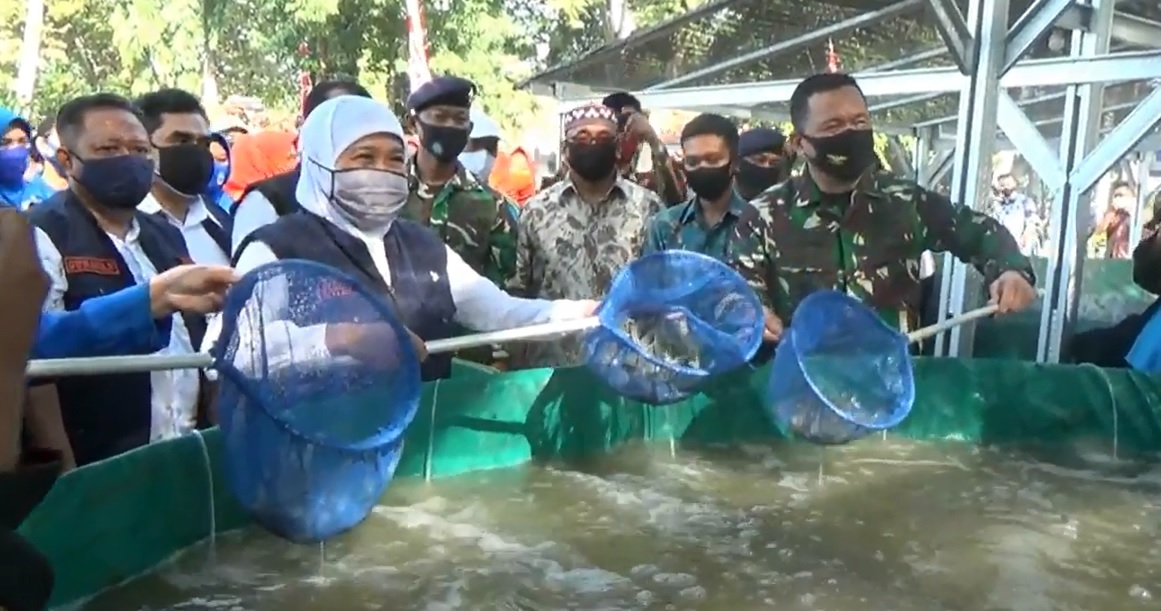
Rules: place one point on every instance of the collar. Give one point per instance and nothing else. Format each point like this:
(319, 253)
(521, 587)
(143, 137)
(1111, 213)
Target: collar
(195, 215)
(691, 209)
(621, 185)
(463, 179)
(809, 194)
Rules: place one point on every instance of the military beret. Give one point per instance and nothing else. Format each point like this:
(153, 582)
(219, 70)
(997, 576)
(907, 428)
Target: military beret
(621, 99)
(760, 140)
(442, 91)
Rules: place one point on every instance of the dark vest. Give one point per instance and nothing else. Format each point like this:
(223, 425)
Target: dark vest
(105, 415)
(419, 288)
(278, 190)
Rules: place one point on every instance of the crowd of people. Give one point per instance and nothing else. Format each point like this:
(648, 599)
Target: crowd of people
(143, 214)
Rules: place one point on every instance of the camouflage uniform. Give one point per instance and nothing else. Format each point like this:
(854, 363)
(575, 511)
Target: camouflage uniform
(870, 245)
(570, 249)
(477, 222)
(741, 239)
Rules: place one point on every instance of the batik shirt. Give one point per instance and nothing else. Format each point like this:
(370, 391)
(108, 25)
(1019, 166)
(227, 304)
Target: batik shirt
(477, 222)
(571, 249)
(868, 242)
(741, 239)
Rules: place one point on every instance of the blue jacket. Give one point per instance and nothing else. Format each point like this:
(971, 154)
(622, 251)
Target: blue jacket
(111, 325)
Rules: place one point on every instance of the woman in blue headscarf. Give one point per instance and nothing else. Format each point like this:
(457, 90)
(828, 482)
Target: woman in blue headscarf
(17, 190)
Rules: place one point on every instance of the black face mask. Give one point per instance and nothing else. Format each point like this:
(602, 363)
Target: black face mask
(709, 183)
(754, 178)
(186, 168)
(443, 142)
(845, 155)
(592, 161)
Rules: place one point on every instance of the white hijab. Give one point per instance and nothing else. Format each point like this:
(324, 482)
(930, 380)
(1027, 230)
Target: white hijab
(332, 127)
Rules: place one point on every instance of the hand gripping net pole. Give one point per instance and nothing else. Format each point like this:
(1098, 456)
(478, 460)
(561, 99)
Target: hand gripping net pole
(311, 439)
(840, 373)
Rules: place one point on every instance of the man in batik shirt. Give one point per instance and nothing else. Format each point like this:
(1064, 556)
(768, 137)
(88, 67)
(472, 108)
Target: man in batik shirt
(575, 236)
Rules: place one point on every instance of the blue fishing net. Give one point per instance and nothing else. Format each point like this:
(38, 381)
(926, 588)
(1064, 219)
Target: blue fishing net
(313, 433)
(671, 321)
(840, 372)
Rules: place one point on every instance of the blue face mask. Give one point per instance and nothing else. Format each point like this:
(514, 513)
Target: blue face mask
(119, 182)
(13, 164)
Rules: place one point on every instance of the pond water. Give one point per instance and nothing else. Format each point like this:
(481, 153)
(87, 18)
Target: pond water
(883, 525)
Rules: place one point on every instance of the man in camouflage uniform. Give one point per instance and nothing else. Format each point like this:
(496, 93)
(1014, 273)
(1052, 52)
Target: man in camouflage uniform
(716, 221)
(846, 225)
(575, 236)
(475, 221)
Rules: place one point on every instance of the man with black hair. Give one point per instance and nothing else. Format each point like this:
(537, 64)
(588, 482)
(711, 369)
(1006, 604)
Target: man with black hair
(764, 161)
(474, 220)
(266, 200)
(179, 130)
(846, 225)
(634, 129)
(716, 221)
(93, 241)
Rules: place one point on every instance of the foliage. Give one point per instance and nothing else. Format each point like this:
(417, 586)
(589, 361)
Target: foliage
(219, 48)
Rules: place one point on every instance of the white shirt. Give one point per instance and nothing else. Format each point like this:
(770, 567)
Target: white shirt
(175, 393)
(480, 306)
(252, 212)
(202, 248)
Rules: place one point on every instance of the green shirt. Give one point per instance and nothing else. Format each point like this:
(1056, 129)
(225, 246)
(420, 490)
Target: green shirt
(868, 243)
(740, 239)
(475, 221)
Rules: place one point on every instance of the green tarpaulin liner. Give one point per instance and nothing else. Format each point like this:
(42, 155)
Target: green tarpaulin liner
(117, 519)
(1106, 295)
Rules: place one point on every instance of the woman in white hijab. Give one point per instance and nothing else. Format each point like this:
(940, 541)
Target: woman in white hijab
(352, 188)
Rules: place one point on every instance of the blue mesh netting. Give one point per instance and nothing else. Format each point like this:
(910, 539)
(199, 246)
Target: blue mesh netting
(312, 434)
(670, 321)
(840, 372)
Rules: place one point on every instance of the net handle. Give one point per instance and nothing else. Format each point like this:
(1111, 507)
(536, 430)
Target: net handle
(520, 334)
(103, 365)
(954, 321)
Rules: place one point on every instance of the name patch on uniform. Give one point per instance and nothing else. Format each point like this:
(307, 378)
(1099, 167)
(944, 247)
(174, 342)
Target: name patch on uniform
(91, 265)
(328, 289)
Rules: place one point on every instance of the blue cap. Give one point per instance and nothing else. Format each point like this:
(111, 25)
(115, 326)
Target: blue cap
(442, 91)
(761, 140)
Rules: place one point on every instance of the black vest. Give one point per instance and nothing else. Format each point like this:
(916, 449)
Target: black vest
(419, 288)
(278, 190)
(105, 415)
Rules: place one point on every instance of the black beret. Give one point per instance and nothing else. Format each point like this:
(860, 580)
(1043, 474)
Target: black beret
(760, 140)
(442, 91)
